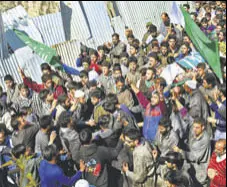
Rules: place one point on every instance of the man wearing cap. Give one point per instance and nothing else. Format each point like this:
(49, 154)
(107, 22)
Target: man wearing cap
(166, 138)
(81, 115)
(197, 104)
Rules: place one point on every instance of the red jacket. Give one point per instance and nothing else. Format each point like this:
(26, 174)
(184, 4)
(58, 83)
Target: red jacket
(58, 90)
(96, 67)
(220, 179)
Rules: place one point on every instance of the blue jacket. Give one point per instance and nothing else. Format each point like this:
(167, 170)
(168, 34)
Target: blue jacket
(51, 175)
(70, 70)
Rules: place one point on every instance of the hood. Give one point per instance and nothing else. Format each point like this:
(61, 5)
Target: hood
(88, 150)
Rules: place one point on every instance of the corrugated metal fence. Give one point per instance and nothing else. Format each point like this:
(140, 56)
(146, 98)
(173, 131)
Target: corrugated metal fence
(134, 14)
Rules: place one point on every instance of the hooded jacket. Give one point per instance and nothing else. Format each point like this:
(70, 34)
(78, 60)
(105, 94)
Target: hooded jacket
(96, 159)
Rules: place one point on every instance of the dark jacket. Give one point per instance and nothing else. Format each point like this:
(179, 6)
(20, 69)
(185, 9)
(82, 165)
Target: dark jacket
(96, 159)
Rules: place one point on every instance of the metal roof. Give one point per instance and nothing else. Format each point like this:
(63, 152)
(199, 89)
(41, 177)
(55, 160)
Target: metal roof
(51, 28)
(3, 43)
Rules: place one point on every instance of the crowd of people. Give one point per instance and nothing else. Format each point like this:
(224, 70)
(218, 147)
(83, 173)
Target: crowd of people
(114, 121)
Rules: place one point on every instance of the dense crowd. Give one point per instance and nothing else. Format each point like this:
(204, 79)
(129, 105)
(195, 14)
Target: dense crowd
(114, 121)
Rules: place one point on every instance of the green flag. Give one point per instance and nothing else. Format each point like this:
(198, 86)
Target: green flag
(48, 54)
(207, 48)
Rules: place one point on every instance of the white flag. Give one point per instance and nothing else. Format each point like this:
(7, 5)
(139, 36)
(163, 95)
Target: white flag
(176, 15)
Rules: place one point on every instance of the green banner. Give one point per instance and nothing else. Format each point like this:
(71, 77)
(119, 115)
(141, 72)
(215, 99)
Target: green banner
(207, 48)
(48, 54)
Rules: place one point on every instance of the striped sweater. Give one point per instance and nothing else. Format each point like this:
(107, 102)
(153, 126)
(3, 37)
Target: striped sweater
(220, 167)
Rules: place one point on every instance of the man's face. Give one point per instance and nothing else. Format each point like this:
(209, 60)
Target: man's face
(130, 40)
(94, 100)
(221, 36)
(201, 72)
(49, 84)
(162, 130)
(197, 5)
(86, 66)
(223, 6)
(219, 149)
(84, 80)
(204, 24)
(117, 74)
(155, 100)
(169, 165)
(164, 18)
(67, 103)
(133, 51)
(187, 89)
(82, 100)
(115, 40)
(2, 138)
(152, 62)
(46, 72)
(130, 143)
(9, 84)
(149, 75)
(154, 34)
(186, 39)
(155, 49)
(205, 84)
(105, 71)
(132, 66)
(184, 50)
(124, 61)
(50, 97)
(24, 92)
(94, 58)
(101, 53)
(218, 29)
(172, 43)
(168, 184)
(164, 50)
(120, 86)
(197, 129)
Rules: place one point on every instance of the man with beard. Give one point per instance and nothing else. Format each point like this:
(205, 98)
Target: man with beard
(117, 48)
(154, 110)
(217, 166)
(198, 152)
(166, 138)
(144, 158)
(147, 85)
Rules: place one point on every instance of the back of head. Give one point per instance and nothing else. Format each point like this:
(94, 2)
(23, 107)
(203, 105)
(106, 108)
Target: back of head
(85, 136)
(210, 79)
(45, 121)
(82, 183)
(46, 77)
(8, 78)
(18, 150)
(104, 121)
(133, 134)
(64, 119)
(50, 152)
(45, 66)
(43, 94)
(62, 99)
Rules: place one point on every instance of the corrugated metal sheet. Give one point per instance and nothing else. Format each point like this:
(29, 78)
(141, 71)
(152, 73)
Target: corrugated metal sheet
(3, 43)
(78, 29)
(99, 21)
(9, 66)
(51, 28)
(69, 52)
(135, 14)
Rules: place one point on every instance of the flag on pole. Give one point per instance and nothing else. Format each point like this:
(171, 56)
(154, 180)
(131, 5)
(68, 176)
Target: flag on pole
(207, 48)
(46, 53)
(192, 61)
(176, 15)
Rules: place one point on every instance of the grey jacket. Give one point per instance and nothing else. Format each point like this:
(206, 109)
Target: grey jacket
(116, 52)
(70, 139)
(199, 155)
(165, 143)
(12, 94)
(198, 106)
(144, 166)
